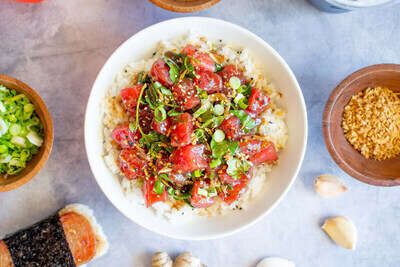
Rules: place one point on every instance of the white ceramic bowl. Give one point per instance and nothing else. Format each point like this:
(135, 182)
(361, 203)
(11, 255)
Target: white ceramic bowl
(141, 45)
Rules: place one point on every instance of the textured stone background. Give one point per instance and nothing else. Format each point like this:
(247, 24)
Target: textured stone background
(59, 46)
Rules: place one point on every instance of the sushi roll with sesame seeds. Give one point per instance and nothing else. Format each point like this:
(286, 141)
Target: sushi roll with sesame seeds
(70, 238)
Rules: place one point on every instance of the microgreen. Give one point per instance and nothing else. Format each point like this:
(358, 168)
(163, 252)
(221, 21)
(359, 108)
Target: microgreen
(218, 67)
(188, 67)
(158, 187)
(173, 70)
(245, 89)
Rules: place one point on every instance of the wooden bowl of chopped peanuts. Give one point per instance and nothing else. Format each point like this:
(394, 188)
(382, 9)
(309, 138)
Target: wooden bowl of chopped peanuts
(361, 125)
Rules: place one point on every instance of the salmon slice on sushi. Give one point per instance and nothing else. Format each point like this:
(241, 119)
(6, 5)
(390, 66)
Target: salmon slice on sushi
(70, 238)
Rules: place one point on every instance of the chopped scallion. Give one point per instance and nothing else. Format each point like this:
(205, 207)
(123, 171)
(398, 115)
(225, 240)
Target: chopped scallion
(160, 114)
(174, 113)
(15, 129)
(206, 105)
(18, 124)
(5, 158)
(197, 173)
(3, 127)
(238, 97)
(219, 136)
(218, 109)
(34, 138)
(215, 163)
(234, 82)
(3, 149)
(158, 187)
(29, 108)
(18, 140)
(243, 103)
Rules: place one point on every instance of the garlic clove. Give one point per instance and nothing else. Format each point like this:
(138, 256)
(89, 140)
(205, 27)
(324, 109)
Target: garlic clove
(328, 186)
(275, 262)
(341, 230)
(161, 259)
(186, 259)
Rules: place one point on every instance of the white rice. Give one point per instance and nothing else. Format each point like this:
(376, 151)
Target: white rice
(273, 125)
(101, 239)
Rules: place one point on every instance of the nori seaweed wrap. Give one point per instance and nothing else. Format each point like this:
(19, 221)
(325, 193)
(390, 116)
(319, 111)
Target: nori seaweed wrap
(42, 245)
(69, 238)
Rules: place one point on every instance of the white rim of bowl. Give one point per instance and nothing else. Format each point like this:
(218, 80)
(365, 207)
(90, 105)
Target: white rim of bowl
(304, 114)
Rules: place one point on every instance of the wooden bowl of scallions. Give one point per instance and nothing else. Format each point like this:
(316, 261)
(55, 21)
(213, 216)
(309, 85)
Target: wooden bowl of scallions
(26, 133)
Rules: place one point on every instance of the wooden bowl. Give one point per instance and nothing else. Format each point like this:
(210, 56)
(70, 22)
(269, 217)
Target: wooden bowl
(184, 6)
(370, 171)
(38, 160)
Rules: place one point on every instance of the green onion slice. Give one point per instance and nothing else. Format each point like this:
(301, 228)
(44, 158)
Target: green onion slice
(158, 187)
(3, 127)
(219, 136)
(215, 163)
(174, 113)
(234, 82)
(218, 109)
(197, 173)
(18, 140)
(15, 129)
(206, 105)
(160, 114)
(34, 138)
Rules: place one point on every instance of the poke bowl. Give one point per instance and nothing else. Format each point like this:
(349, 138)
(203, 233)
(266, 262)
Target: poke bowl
(208, 60)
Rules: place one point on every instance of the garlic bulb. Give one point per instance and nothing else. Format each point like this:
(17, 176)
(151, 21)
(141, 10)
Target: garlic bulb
(328, 186)
(161, 259)
(342, 231)
(186, 259)
(275, 262)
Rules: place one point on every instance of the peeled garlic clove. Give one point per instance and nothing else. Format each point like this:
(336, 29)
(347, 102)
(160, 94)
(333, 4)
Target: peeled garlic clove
(275, 262)
(186, 259)
(342, 231)
(161, 259)
(327, 185)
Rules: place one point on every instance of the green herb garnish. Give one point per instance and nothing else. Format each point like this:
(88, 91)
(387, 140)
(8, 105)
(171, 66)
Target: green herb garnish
(173, 70)
(218, 67)
(247, 122)
(215, 163)
(158, 187)
(173, 113)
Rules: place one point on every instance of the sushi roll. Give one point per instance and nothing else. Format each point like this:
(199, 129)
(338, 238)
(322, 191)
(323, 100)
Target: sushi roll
(69, 238)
